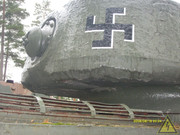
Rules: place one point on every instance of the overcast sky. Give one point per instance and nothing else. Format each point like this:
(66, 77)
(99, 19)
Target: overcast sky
(13, 71)
(30, 7)
(177, 0)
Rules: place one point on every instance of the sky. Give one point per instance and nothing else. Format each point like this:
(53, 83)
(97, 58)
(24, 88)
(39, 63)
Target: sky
(15, 72)
(176, 0)
(30, 7)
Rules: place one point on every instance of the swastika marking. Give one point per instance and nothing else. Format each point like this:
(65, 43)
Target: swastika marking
(109, 27)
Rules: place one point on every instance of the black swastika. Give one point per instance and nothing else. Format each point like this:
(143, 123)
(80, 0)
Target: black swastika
(109, 27)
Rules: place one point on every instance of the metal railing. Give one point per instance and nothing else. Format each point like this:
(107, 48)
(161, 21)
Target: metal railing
(34, 105)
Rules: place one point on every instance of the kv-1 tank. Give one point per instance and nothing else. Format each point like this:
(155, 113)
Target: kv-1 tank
(113, 51)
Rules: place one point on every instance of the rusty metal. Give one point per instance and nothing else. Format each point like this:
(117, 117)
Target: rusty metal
(20, 104)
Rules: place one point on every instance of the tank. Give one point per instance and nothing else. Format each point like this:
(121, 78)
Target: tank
(112, 51)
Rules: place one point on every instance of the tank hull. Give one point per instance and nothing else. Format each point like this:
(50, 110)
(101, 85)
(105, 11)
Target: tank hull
(109, 51)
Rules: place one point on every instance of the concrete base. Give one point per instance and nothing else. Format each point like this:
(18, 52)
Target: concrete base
(40, 129)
